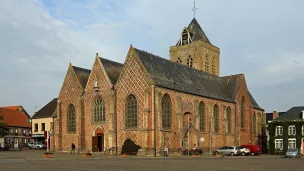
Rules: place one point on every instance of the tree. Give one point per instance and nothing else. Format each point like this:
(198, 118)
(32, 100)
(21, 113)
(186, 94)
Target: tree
(129, 147)
(3, 127)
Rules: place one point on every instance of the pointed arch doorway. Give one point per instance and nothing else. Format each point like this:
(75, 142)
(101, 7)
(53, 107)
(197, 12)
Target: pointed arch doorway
(190, 133)
(98, 140)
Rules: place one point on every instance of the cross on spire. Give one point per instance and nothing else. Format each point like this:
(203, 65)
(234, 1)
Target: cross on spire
(194, 9)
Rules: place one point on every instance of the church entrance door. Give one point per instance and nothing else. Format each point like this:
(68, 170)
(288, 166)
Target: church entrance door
(98, 141)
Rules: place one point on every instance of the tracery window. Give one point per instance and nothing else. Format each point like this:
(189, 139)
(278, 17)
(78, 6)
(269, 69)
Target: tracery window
(216, 118)
(166, 112)
(131, 112)
(99, 110)
(201, 110)
(71, 123)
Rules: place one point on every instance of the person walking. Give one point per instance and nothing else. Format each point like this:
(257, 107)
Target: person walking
(73, 148)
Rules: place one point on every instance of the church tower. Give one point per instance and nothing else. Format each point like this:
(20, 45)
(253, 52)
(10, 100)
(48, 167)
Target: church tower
(195, 50)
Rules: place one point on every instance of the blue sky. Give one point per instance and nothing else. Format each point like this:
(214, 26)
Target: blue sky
(263, 39)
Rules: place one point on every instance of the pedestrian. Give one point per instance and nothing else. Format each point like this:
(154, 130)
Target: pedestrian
(73, 148)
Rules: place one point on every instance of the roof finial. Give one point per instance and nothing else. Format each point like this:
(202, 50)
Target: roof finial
(194, 9)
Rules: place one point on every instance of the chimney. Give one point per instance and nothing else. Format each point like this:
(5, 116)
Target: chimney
(275, 114)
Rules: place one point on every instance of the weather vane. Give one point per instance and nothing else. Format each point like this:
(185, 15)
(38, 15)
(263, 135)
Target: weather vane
(194, 9)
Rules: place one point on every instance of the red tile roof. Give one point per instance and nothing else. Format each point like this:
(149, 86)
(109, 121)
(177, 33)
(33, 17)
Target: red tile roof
(15, 118)
(11, 107)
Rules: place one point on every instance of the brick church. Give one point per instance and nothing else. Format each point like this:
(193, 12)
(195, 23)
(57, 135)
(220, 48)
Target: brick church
(158, 103)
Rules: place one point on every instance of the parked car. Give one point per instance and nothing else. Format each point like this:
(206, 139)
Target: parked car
(228, 150)
(36, 145)
(254, 149)
(244, 151)
(293, 152)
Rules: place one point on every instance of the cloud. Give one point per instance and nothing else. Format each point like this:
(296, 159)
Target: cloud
(40, 37)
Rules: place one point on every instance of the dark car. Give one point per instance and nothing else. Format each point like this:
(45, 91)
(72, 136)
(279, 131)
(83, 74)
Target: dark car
(254, 149)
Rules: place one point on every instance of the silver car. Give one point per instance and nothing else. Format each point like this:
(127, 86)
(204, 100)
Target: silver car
(36, 145)
(293, 152)
(228, 150)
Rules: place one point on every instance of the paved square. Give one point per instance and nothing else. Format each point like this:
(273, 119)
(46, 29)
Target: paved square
(12, 161)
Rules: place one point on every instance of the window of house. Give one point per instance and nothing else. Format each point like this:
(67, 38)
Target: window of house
(36, 127)
(302, 129)
(131, 112)
(99, 110)
(201, 110)
(243, 112)
(292, 143)
(292, 130)
(16, 131)
(216, 118)
(279, 131)
(42, 126)
(228, 116)
(71, 124)
(278, 143)
(166, 112)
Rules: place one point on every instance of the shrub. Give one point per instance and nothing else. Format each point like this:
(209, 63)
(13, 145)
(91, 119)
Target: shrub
(129, 147)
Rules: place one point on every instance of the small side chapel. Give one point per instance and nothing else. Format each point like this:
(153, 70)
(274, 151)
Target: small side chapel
(177, 104)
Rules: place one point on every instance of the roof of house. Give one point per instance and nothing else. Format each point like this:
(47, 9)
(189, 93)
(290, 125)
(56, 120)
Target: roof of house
(15, 118)
(197, 31)
(82, 75)
(112, 68)
(269, 116)
(17, 107)
(171, 75)
(47, 111)
(294, 113)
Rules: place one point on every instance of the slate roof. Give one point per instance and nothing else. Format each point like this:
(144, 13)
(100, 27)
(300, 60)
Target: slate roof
(294, 113)
(171, 75)
(15, 118)
(82, 75)
(197, 31)
(269, 116)
(47, 111)
(112, 68)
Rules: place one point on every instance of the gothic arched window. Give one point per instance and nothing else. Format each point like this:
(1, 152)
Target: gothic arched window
(201, 111)
(166, 112)
(254, 124)
(71, 122)
(99, 110)
(190, 61)
(131, 112)
(179, 61)
(228, 116)
(216, 118)
(207, 63)
(243, 112)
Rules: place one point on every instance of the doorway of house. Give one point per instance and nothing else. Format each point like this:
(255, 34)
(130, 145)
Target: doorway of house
(98, 141)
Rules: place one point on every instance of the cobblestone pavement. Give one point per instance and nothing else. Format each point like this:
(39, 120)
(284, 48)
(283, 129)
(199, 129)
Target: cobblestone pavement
(12, 161)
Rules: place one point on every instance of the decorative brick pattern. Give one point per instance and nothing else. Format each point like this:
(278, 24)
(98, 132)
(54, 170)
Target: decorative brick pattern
(135, 80)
